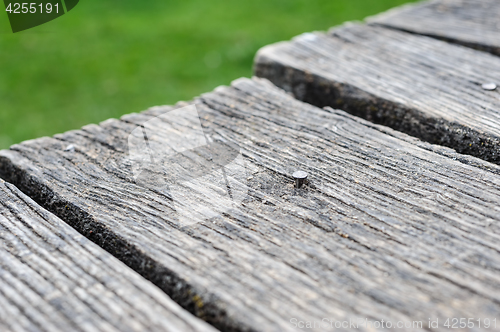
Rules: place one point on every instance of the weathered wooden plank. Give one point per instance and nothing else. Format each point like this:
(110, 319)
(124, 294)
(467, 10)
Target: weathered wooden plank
(473, 23)
(421, 86)
(54, 279)
(388, 227)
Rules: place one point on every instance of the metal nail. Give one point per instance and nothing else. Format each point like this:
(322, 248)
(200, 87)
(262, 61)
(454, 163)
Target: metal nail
(489, 86)
(70, 148)
(300, 178)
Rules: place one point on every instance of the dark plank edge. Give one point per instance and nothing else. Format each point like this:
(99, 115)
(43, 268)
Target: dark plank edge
(434, 148)
(314, 88)
(167, 280)
(45, 265)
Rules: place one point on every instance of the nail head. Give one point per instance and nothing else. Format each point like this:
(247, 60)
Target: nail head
(70, 147)
(300, 177)
(489, 86)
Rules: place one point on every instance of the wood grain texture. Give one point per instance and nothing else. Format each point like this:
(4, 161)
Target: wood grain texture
(388, 227)
(473, 23)
(418, 85)
(54, 279)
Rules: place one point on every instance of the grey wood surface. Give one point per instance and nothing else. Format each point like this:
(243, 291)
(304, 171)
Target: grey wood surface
(421, 86)
(54, 279)
(388, 227)
(474, 23)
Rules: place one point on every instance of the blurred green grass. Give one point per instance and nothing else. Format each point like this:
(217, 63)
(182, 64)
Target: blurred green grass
(108, 58)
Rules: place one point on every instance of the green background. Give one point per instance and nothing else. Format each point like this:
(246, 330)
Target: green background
(108, 58)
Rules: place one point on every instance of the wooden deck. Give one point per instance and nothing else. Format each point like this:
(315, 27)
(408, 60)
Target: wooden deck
(199, 203)
(54, 279)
